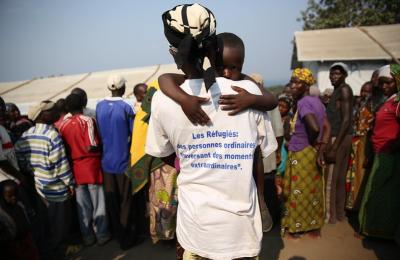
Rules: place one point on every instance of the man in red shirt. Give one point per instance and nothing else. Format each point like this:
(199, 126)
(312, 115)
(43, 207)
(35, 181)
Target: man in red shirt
(82, 141)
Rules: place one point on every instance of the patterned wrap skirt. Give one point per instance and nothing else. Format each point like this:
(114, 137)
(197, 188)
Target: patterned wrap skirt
(163, 198)
(355, 183)
(303, 192)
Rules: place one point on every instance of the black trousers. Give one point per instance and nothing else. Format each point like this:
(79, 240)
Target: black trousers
(55, 218)
(271, 198)
(126, 212)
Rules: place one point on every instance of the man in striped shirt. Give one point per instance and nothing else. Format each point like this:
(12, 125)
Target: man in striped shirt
(42, 150)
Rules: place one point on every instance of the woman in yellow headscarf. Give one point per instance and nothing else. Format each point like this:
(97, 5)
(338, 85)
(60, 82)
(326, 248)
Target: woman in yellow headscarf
(303, 180)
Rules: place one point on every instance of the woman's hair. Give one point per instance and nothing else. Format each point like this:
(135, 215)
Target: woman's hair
(286, 99)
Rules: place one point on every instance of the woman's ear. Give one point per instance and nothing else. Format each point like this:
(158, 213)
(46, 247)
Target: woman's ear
(174, 55)
(172, 52)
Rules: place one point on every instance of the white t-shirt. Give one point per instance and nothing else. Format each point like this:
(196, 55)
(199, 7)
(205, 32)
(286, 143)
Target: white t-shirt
(218, 214)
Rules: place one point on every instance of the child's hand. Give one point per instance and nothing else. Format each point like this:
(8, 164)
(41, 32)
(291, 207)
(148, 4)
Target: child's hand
(191, 106)
(238, 102)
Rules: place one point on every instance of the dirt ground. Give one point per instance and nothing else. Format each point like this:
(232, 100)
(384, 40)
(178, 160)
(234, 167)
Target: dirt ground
(337, 242)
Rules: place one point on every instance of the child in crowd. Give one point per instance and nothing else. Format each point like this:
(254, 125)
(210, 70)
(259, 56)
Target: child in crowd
(228, 64)
(285, 107)
(139, 90)
(16, 238)
(17, 123)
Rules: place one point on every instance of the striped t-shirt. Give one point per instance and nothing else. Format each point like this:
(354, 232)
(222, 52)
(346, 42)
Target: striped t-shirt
(42, 148)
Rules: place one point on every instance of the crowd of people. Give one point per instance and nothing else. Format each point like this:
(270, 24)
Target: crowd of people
(209, 157)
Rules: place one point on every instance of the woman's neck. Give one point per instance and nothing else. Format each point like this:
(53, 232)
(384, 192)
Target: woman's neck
(195, 74)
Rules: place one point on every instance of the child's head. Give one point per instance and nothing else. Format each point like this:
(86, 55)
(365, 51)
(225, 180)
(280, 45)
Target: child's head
(284, 105)
(140, 91)
(9, 192)
(230, 56)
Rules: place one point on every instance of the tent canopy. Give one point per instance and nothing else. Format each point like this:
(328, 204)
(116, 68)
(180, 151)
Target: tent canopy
(30, 92)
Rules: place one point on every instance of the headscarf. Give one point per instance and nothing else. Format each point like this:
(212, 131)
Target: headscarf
(190, 27)
(305, 75)
(392, 71)
(327, 92)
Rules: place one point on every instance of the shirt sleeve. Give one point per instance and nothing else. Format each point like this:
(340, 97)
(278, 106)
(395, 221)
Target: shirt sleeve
(91, 131)
(58, 158)
(130, 112)
(157, 142)
(265, 133)
(305, 108)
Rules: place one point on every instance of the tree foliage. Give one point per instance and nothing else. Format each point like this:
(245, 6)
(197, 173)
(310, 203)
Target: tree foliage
(325, 14)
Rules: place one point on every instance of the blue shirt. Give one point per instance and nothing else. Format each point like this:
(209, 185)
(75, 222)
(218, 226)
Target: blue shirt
(115, 121)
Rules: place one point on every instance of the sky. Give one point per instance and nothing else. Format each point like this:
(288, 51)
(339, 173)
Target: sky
(52, 37)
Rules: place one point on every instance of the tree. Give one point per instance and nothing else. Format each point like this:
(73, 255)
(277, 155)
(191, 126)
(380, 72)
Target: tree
(325, 14)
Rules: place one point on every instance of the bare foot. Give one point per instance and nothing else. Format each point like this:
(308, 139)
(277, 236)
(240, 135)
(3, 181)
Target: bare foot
(332, 221)
(358, 235)
(293, 236)
(315, 234)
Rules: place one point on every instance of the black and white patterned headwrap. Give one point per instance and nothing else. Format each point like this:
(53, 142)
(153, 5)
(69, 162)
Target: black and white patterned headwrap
(190, 27)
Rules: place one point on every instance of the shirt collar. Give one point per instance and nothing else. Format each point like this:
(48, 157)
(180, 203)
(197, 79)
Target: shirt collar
(113, 98)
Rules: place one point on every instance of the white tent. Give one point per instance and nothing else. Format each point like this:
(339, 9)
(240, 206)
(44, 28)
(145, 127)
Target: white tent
(30, 92)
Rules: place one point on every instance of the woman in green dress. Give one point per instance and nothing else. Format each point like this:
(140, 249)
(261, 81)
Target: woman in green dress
(379, 214)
